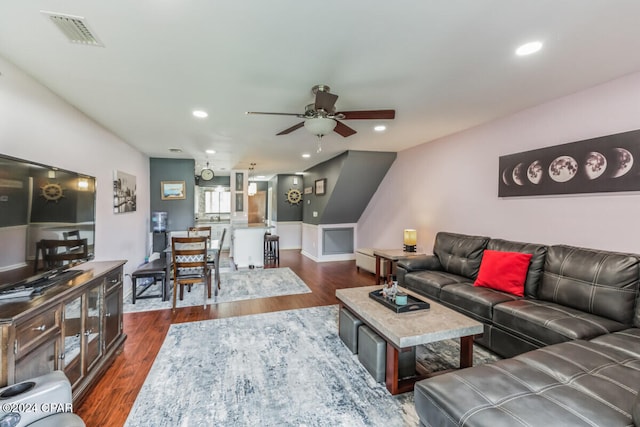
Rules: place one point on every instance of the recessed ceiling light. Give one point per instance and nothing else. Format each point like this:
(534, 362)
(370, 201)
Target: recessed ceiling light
(200, 114)
(306, 155)
(260, 177)
(380, 128)
(211, 151)
(529, 48)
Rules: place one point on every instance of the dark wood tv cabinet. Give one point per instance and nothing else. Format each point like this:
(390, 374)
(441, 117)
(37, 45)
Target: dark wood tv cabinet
(74, 326)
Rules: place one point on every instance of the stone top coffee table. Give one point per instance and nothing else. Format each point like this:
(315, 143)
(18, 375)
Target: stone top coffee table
(406, 330)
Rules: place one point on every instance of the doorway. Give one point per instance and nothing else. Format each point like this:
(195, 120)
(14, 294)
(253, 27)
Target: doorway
(258, 207)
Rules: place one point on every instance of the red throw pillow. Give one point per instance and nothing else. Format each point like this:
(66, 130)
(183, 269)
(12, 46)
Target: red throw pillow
(504, 271)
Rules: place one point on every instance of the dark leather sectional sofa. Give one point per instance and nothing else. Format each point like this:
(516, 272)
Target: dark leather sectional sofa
(572, 341)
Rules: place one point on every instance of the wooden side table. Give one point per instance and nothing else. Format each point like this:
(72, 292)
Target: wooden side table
(391, 256)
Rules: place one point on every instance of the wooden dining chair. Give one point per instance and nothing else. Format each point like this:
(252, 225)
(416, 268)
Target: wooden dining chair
(56, 253)
(189, 256)
(215, 262)
(71, 235)
(199, 231)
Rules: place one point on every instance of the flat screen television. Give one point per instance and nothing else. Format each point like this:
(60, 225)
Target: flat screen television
(41, 202)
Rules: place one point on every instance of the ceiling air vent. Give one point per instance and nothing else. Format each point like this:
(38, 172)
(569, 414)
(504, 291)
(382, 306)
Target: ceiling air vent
(74, 27)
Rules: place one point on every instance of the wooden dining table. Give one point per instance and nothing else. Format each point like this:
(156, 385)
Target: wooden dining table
(212, 251)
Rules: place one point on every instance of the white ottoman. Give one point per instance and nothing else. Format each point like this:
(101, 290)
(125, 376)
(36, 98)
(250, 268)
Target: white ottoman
(367, 261)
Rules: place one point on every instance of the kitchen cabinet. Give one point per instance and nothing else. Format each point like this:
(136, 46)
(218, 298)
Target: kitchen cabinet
(248, 245)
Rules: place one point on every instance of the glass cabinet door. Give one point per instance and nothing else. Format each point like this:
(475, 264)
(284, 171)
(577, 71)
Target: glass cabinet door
(70, 356)
(112, 316)
(40, 361)
(93, 326)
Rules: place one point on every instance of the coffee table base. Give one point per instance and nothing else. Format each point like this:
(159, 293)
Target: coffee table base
(404, 331)
(396, 385)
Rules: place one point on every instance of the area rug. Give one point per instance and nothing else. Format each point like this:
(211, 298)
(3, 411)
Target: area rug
(286, 368)
(235, 286)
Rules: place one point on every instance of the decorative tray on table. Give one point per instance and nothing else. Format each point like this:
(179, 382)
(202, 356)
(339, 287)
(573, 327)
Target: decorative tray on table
(413, 304)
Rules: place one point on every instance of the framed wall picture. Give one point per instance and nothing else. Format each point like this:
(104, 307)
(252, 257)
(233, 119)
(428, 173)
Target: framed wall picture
(320, 186)
(308, 190)
(124, 192)
(597, 165)
(173, 190)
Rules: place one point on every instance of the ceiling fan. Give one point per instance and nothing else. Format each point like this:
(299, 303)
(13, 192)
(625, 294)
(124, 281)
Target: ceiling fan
(322, 118)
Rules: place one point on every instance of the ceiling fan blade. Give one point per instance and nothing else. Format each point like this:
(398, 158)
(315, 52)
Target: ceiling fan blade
(291, 129)
(275, 114)
(368, 114)
(343, 129)
(325, 101)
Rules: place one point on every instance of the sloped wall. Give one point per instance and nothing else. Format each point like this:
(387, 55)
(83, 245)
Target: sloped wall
(452, 184)
(352, 179)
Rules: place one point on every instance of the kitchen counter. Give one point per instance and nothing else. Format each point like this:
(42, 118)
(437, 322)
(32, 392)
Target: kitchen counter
(216, 230)
(252, 225)
(212, 222)
(248, 244)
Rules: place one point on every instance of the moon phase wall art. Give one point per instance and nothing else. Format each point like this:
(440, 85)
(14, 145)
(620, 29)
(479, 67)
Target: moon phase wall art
(604, 164)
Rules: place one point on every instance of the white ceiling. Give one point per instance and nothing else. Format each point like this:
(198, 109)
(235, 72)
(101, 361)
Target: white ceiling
(443, 65)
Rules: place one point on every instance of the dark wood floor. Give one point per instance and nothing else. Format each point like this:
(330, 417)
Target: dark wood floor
(109, 402)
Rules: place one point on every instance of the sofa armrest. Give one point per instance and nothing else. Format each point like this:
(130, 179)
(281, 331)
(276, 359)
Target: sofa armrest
(420, 262)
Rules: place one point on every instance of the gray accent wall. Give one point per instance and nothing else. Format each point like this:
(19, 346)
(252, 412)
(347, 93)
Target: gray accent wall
(337, 241)
(180, 212)
(352, 179)
(283, 210)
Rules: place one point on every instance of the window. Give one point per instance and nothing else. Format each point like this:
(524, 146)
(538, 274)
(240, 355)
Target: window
(217, 201)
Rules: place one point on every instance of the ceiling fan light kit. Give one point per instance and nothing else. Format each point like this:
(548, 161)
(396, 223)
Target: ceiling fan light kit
(321, 117)
(320, 126)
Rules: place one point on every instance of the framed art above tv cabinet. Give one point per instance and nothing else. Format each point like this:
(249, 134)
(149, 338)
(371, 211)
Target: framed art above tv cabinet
(74, 326)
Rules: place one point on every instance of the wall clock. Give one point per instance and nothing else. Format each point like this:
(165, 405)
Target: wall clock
(206, 174)
(294, 196)
(52, 192)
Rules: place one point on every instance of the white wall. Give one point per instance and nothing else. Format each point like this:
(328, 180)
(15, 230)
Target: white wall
(452, 184)
(313, 242)
(37, 125)
(290, 233)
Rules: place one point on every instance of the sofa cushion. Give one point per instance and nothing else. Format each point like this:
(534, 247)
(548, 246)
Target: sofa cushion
(429, 283)
(460, 254)
(544, 323)
(503, 271)
(538, 254)
(577, 383)
(476, 302)
(636, 411)
(627, 341)
(598, 282)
